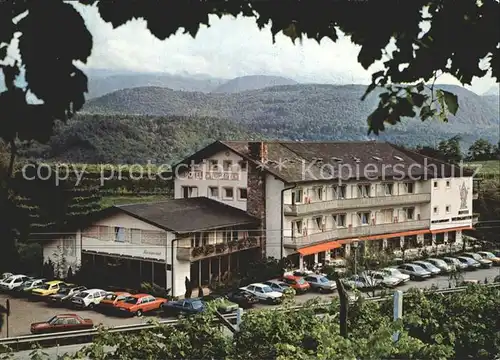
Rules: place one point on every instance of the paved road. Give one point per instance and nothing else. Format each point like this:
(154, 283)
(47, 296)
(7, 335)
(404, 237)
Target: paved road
(25, 312)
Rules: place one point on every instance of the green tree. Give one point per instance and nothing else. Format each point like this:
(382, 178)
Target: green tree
(481, 150)
(450, 150)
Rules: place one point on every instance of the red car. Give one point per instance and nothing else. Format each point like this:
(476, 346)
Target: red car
(111, 300)
(139, 304)
(297, 283)
(62, 322)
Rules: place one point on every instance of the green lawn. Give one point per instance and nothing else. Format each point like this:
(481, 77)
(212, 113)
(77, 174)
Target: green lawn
(108, 201)
(490, 167)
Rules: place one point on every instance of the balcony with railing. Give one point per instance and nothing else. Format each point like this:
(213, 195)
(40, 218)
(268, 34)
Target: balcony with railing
(355, 203)
(211, 250)
(300, 241)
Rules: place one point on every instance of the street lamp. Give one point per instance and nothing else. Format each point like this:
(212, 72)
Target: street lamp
(354, 245)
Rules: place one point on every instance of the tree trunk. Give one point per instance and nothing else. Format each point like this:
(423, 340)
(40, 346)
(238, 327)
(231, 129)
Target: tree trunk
(344, 307)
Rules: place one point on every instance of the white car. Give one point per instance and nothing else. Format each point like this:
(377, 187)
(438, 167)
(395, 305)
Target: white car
(88, 299)
(6, 275)
(396, 273)
(264, 293)
(384, 278)
(13, 281)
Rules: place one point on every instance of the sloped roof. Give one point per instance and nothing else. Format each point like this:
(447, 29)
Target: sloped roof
(188, 215)
(302, 161)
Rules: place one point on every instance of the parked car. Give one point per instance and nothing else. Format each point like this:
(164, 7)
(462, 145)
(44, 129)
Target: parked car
(441, 265)
(183, 307)
(139, 304)
(279, 286)
(384, 279)
(434, 270)
(490, 256)
(15, 290)
(320, 283)
(361, 282)
(12, 282)
(470, 262)
(264, 293)
(396, 273)
(485, 263)
(496, 252)
(62, 322)
(6, 275)
(27, 286)
(457, 264)
(111, 300)
(243, 298)
(48, 288)
(64, 296)
(297, 283)
(88, 298)
(416, 272)
(223, 304)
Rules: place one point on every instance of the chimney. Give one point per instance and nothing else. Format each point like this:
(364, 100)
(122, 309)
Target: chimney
(258, 150)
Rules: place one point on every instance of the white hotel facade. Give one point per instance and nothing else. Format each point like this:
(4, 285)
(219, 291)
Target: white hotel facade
(307, 201)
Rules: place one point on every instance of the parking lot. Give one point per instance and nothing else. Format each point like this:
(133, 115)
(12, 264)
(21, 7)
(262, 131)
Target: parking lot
(25, 312)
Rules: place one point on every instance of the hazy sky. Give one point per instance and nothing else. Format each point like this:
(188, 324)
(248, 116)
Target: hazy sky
(230, 48)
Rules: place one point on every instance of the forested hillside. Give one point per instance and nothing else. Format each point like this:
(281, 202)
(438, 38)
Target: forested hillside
(128, 139)
(252, 82)
(311, 112)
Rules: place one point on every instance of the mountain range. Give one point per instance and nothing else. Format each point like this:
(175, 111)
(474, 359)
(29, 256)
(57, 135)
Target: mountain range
(102, 82)
(134, 117)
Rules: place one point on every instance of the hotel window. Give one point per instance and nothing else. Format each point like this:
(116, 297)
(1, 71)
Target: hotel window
(435, 210)
(213, 191)
(435, 185)
(297, 227)
(448, 209)
(448, 183)
(119, 234)
(409, 213)
(339, 191)
(243, 165)
(228, 193)
(196, 240)
(297, 196)
(410, 188)
(214, 164)
(242, 194)
(339, 220)
(227, 165)
(189, 191)
(389, 188)
(319, 193)
(364, 218)
(364, 191)
(205, 238)
(318, 221)
(387, 215)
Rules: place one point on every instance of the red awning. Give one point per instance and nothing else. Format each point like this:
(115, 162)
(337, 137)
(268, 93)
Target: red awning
(319, 248)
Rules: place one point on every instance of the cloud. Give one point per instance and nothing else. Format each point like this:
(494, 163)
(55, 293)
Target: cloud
(229, 48)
